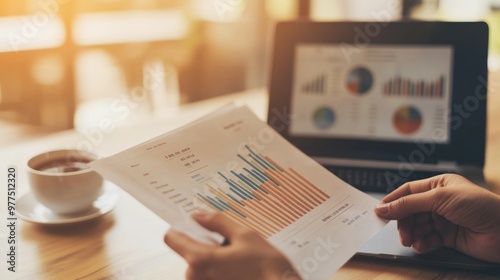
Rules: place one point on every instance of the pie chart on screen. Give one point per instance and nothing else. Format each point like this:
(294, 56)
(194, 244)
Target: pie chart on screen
(407, 120)
(324, 117)
(359, 81)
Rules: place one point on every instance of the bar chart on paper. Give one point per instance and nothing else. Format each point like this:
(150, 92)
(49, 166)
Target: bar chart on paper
(265, 196)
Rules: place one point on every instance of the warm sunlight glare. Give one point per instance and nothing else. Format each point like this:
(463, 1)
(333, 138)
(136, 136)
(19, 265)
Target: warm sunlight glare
(129, 27)
(30, 32)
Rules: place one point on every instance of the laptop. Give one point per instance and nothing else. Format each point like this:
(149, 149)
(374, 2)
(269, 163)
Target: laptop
(383, 103)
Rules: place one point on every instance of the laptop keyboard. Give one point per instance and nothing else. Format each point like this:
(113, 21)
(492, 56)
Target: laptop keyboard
(378, 180)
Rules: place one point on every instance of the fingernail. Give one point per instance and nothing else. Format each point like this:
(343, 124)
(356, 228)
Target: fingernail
(200, 214)
(382, 209)
(169, 234)
(417, 247)
(404, 242)
(170, 230)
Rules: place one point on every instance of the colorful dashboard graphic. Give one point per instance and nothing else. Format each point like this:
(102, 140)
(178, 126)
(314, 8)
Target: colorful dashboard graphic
(383, 92)
(359, 80)
(407, 120)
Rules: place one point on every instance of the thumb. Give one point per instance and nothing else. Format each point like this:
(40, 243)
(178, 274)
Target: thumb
(216, 222)
(407, 205)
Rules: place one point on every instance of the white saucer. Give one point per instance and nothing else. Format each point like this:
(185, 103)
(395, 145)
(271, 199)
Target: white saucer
(30, 210)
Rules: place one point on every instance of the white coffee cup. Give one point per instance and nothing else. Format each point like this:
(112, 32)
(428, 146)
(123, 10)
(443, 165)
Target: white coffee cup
(62, 181)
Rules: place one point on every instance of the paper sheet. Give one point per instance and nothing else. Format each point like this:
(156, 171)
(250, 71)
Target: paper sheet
(232, 162)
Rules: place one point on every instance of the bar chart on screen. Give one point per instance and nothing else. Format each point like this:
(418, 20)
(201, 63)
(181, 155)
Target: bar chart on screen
(316, 86)
(406, 87)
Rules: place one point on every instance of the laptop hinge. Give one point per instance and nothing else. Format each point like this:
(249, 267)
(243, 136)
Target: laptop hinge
(451, 165)
(446, 166)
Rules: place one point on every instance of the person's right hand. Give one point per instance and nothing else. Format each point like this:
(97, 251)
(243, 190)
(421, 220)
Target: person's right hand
(446, 211)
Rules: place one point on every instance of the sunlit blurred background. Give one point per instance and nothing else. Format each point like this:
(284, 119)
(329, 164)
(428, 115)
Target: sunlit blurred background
(70, 63)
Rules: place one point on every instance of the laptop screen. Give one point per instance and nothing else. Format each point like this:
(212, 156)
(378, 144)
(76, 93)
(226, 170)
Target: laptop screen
(409, 92)
(380, 92)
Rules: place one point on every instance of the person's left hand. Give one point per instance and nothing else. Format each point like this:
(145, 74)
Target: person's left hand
(248, 255)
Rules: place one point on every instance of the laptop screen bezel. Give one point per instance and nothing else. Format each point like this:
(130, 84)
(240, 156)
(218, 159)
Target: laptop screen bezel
(469, 41)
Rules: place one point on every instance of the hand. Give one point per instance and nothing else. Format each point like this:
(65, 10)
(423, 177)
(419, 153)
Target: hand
(248, 256)
(446, 211)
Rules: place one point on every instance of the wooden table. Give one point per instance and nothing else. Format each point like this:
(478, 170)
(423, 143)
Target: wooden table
(128, 243)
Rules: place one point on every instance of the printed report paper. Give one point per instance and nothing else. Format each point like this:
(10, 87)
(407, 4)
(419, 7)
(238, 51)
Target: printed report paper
(232, 162)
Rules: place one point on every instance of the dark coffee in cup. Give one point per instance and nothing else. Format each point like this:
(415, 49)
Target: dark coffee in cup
(62, 181)
(63, 165)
